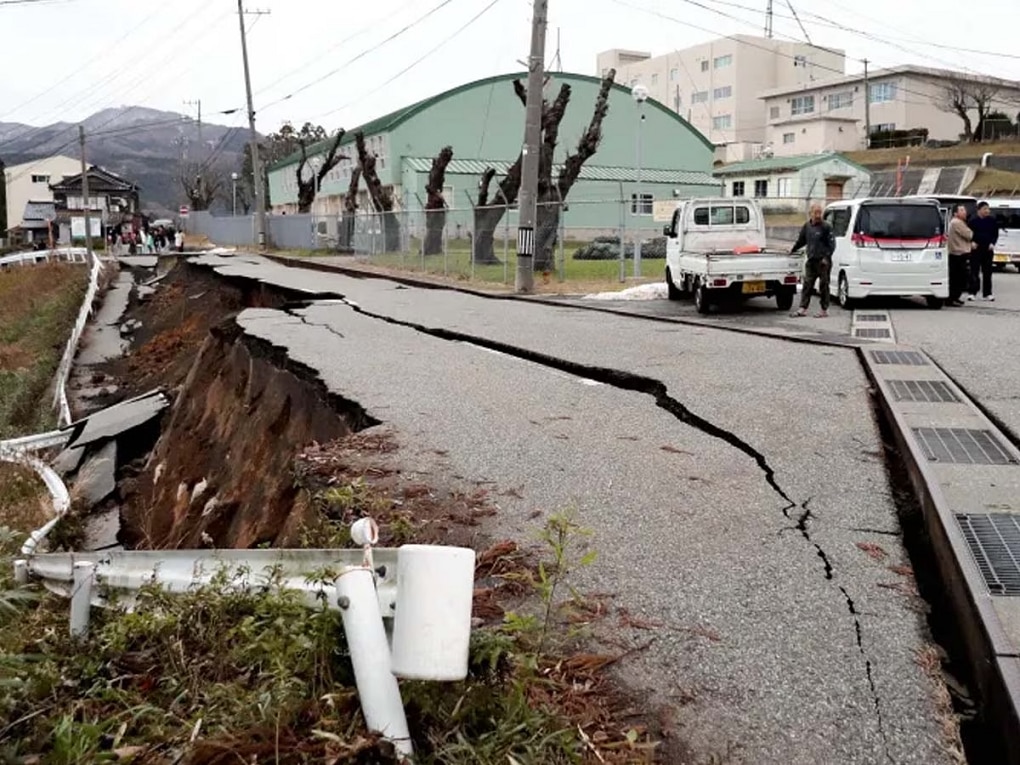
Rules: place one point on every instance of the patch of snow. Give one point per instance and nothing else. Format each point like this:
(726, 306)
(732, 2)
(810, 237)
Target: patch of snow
(655, 291)
(199, 488)
(221, 251)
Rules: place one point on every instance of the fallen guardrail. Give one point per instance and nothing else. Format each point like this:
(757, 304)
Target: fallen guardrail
(69, 254)
(406, 612)
(64, 369)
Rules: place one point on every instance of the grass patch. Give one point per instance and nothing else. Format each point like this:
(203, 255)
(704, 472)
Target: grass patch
(38, 306)
(989, 182)
(963, 151)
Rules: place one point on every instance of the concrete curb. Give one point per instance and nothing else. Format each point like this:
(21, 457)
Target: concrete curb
(988, 624)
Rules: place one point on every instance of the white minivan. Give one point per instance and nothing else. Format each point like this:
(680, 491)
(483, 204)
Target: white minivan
(888, 247)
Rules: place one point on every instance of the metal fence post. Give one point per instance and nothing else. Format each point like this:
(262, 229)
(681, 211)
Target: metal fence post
(623, 236)
(81, 598)
(370, 656)
(506, 245)
(446, 247)
(563, 254)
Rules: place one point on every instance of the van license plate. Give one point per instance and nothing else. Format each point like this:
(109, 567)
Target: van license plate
(1001, 258)
(753, 288)
(900, 257)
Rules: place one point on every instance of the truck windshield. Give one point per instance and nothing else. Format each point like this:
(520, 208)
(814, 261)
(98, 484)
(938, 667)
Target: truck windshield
(900, 221)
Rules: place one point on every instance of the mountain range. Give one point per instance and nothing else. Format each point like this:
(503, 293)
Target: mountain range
(145, 146)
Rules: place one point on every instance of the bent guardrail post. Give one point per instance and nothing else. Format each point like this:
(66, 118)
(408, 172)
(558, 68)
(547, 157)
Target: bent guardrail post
(81, 597)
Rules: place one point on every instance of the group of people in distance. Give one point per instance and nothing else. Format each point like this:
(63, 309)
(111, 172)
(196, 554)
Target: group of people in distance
(971, 253)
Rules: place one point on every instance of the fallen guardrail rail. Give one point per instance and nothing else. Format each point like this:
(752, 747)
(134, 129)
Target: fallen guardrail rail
(406, 612)
(64, 369)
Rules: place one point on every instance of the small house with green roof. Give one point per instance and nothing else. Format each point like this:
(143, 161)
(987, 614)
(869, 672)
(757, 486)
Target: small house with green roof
(484, 123)
(791, 184)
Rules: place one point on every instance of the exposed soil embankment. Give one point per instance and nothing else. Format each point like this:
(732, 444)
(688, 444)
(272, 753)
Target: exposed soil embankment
(221, 474)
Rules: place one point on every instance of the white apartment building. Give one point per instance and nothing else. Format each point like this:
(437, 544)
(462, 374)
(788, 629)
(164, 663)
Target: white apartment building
(717, 86)
(829, 114)
(30, 182)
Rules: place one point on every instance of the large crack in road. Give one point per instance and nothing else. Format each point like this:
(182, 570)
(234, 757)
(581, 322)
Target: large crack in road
(659, 391)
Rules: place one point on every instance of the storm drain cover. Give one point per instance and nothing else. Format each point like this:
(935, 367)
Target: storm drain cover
(867, 332)
(872, 317)
(961, 446)
(994, 541)
(904, 358)
(924, 391)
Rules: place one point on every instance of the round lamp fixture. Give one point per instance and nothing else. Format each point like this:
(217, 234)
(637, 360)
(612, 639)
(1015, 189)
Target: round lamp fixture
(640, 93)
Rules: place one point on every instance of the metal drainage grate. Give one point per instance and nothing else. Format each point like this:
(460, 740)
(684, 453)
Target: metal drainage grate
(872, 317)
(905, 358)
(863, 332)
(961, 446)
(927, 391)
(994, 541)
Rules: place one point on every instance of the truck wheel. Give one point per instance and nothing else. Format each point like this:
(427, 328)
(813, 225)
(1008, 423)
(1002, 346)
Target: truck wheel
(671, 289)
(784, 298)
(934, 303)
(843, 294)
(701, 296)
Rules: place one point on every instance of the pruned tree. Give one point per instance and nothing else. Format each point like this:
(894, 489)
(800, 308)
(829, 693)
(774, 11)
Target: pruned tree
(202, 184)
(381, 196)
(551, 192)
(3, 201)
(309, 187)
(350, 212)
(435, 202)
(961, 97)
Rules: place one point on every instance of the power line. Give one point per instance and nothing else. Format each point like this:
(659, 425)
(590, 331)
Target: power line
(361, 55)
(421, 58)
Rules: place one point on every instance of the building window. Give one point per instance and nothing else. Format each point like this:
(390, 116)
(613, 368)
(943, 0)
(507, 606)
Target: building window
(655, 79)
(720, 93)
(882, 92)
(784, 187)
(704, 65)
(802, 105)
(674, 73)
(789, 137)
(699, 97)
(738, 188)
(721, 61)
(773, 112)
(761, 189)
(841, 100)
(40, 179)
(800, 61)
(646, 204)
(722, 121)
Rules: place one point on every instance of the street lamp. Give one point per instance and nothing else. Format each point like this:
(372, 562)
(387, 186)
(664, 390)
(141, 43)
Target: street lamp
(233, 189)
(640, 95)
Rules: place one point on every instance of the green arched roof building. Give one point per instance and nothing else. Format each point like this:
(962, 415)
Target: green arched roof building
(484, 123)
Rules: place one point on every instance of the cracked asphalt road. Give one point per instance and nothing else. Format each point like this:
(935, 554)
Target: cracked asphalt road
(726, 478)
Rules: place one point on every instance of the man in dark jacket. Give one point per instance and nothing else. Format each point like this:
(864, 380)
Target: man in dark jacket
(817, 239)
(986, 234)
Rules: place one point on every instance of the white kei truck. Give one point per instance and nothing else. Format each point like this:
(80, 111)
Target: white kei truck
(715, 252)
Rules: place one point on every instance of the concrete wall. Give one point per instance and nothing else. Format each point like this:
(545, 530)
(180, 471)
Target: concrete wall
(21, 189)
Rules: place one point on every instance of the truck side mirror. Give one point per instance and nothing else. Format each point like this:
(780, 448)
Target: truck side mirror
(667, 230)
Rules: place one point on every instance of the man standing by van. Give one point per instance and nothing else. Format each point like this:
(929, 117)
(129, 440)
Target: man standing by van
(986, 235)
(818, 240)
(961, 244)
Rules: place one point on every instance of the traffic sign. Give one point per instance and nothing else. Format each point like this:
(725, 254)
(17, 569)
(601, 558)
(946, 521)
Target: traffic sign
(184, 211)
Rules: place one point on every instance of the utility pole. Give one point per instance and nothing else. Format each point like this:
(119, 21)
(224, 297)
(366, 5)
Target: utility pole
(768, 20)
(85, 195)
(528, 206)
(201, 145)
(867, 108)
(256, 163)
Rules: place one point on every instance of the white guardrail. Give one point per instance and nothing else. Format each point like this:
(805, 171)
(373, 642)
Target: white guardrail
(420, 594)
(64, 369)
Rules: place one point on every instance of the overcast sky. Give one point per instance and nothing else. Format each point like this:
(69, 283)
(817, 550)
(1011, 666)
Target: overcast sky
(66, 59)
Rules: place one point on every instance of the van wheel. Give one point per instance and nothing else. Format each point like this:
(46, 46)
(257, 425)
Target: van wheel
(843, 294)
(934, 303)
(671, 289)
(701, 296)
(784, 298)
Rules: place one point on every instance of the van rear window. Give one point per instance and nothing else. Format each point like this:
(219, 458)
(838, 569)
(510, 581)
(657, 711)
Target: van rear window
(900, 221)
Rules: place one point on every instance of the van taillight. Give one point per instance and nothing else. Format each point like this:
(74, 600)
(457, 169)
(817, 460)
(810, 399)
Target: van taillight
(859, 240)
(940, 241)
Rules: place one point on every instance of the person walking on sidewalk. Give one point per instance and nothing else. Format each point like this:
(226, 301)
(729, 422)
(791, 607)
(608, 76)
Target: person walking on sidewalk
(961, 244)
(986, 235)
(817, 239)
